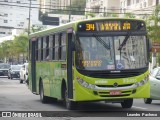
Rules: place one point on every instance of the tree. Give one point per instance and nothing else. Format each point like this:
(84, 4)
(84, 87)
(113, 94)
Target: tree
(21, 44)
(129, 15)
(90, 15)
(154, 31)
(5, 50)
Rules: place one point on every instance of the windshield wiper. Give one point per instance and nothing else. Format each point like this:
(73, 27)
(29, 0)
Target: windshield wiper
(124, 41)
(101, 41)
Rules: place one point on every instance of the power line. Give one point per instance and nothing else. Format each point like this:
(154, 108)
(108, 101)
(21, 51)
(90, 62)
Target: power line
(71, 10)
(67, 6)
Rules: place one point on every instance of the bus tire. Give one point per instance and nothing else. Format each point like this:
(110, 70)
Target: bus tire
(147, 100)
(127, 103)
(70, 105)
(44, 99)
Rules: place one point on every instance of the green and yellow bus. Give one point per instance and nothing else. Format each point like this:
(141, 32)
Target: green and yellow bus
(103, 59)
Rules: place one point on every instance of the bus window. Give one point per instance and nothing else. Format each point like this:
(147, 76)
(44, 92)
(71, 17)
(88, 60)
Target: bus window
(50, 46)
(39, 49)
(53, 48)
(42, 49)
(56, 47)
(47, 49)
(63, 46)
(60, 46)
(36, 50)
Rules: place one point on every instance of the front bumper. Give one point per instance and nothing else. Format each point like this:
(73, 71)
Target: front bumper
(16, 75)
(4, 73)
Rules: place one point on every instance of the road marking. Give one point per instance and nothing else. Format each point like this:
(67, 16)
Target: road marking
(139, 107)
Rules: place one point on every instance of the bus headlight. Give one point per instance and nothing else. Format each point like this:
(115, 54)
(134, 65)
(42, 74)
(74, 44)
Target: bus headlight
(142, 82)
(85, 84)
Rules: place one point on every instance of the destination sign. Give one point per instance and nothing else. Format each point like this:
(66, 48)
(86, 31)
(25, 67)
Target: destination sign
(111, 25)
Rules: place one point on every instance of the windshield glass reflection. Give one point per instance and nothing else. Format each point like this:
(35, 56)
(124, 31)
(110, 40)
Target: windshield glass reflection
(101, 53)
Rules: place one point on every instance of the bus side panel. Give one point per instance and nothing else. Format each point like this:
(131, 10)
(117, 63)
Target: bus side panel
(59, 73)
(44, 72)
(38, 74)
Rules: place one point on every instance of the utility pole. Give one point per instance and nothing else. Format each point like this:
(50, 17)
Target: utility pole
(29, 18)
(70, 11)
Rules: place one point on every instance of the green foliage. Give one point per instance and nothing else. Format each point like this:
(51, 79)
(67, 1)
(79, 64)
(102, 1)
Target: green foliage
(90, 14)
(110, 15)
(36, 29)
(13, 48)
(153, 28)
(129, 15)
(152, 25)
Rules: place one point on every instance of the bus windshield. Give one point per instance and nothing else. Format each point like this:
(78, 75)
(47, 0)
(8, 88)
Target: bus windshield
(103, 53)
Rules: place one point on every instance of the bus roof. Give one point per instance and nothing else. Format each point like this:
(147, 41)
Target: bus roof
(73, 24)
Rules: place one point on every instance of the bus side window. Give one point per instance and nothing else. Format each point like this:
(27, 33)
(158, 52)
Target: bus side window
(56, 47)
(50, 46)
(39, 49)
(42, 49)
(53, 48)
(47, 49)
(36, 50)
(62, 47)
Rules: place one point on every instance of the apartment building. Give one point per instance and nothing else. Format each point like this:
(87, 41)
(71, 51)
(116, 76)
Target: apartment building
(102, 8)
(14, 14)
(138, 7)
(48, 6)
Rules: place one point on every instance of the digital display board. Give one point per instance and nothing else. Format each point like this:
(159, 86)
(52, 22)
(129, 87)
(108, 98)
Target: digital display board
(111, 25)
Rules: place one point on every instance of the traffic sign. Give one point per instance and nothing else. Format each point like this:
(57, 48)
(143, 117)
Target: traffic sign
(46, 20)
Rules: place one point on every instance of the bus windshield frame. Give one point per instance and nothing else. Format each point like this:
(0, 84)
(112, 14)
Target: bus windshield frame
(106, 47)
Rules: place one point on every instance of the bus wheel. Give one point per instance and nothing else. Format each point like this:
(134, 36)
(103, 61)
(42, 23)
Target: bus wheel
(44, 99)
(127, 103)
(70, 105)
(147, 100)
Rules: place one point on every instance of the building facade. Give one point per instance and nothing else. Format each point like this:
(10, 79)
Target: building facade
(102, 8)
(14, 14)
(140, 8)
(49, 6)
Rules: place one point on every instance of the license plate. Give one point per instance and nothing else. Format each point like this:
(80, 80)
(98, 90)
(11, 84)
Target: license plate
(115, 92)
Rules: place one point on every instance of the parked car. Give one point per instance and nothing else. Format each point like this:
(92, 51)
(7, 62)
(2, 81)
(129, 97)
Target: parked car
(24, 72)
(4, 69)
(14, 71)
(154, 86)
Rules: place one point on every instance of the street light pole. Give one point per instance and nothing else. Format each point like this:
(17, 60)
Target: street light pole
(29, 19)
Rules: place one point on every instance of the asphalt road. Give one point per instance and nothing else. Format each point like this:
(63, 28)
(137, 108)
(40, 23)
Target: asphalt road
(17, 97)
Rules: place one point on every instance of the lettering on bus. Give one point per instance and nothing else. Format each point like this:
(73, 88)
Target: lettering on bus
(90, 27)
(94, 63)
(129, 80)
(111, 25)
(114, 26)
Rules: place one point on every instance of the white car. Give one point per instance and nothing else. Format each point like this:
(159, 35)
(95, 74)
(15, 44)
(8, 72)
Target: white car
(154, 86)
(24, 72)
